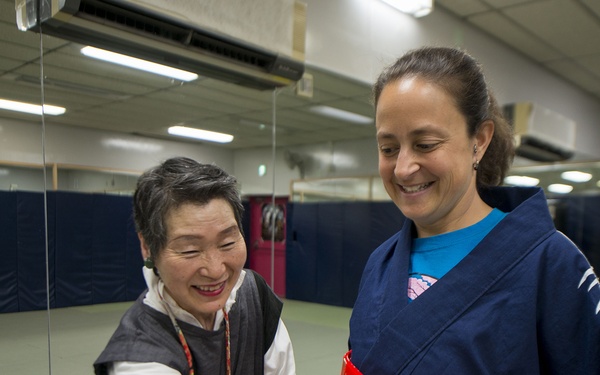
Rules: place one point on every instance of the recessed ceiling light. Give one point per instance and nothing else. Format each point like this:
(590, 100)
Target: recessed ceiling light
(416, 8)
(31, 108)
(135, 63)
(521, 181)
(560, 188)
(340, 114)
(576, 176)
(205, 135)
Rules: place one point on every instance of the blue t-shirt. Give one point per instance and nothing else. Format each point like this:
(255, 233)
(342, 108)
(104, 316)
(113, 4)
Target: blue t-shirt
(432, 257)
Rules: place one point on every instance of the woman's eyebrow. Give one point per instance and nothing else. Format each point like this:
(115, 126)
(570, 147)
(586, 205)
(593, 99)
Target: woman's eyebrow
(426, 129)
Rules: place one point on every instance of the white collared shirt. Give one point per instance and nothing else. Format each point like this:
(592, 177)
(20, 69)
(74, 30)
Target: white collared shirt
(279, 359)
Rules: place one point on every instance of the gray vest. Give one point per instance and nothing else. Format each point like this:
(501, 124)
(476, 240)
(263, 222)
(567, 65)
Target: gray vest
(147, 335)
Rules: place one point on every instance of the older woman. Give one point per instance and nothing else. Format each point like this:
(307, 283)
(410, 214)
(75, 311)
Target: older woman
(202, 312)
(478, 280)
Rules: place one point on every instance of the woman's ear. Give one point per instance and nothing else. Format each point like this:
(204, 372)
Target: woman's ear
(484, 137)
(144, 248)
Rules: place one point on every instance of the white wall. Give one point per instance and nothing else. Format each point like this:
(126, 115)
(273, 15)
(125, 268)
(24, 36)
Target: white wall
(21, 142)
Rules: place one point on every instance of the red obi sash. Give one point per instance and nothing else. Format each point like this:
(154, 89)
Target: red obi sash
(348, 367)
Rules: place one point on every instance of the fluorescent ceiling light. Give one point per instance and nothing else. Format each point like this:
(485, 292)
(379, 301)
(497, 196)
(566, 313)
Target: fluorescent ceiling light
(340, 114)
(31, 108)
(416, 8)
(560, 188)
(132, 145)
(576, 176)
(205, 135)
(132, 62)
(521, 181)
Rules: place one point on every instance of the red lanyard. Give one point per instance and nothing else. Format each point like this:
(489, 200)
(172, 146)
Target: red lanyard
(186, 347)
(227, 341)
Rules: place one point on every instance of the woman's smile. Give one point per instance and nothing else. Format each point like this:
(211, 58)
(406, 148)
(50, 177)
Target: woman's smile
(210, 290)
(412, 189)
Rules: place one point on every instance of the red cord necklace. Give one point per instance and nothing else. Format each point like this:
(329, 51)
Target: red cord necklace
(186, 347)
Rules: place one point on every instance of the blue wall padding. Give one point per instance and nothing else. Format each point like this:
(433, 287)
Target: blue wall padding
(109, 245)
(355, 220)
(31, 251)
(328, 245)
(134, 263)
(330, 238)
(94, 253)
(9, 295)
(581, 224)
(93, 250)
(51, 235)
(73, 249)
(301, 254)
(591, 227)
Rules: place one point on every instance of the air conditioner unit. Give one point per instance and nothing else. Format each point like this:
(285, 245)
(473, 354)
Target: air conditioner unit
(541, 134)
(177, 38)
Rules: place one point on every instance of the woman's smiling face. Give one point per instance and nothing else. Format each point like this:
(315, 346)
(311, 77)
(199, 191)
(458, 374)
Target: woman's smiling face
(203, 257)
(425, 154)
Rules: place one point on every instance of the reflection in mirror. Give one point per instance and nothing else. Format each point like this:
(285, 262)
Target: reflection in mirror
(114, 127)
(94, 180)
(23, 302)
(24, 343)
(20, 176)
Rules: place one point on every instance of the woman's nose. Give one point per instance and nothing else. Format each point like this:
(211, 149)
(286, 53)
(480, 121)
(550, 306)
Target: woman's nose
(212, 265)
(406, 165)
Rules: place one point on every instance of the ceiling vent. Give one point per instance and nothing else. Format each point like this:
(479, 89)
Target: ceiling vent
(166, 37)
(541, 134)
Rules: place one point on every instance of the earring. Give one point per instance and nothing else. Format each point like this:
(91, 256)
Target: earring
(475, 149)
(476, 165)
(149, 263)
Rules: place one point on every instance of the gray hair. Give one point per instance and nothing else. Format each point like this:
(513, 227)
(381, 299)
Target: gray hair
(175, 182)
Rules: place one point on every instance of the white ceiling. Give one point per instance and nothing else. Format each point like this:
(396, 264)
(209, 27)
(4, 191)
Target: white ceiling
(562, 35)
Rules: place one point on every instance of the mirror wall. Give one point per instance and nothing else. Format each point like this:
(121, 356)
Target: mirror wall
(114, 127)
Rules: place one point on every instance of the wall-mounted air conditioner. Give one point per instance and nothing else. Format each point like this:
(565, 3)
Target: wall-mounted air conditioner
(255, 44)
(541, 134)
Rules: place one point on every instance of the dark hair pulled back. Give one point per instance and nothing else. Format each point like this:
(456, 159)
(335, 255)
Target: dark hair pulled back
(461, 76)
